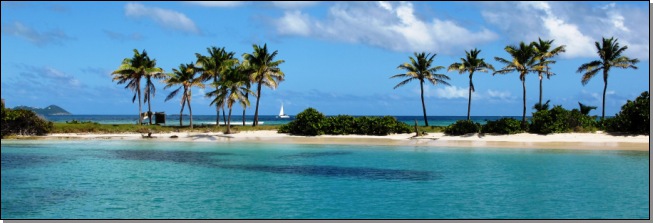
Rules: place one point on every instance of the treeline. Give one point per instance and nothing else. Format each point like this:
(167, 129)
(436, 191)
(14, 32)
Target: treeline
(632, 119)
(23, 122)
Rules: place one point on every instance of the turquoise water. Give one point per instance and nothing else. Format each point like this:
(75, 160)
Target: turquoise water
(173, 120)
(148, 179)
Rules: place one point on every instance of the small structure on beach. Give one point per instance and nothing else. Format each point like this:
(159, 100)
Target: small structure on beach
(160, 118)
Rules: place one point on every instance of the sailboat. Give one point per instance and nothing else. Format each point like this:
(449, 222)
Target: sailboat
(281, 114)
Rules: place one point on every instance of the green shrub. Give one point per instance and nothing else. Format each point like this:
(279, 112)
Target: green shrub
(339, 125)
(462, 127)
(502, 126)
(311, 122)
(633, 117)
(308, 122)
(559, 120)
(24, 122)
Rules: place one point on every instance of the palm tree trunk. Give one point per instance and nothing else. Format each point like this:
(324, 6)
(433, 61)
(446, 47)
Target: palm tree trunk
(523, 119)
(541, 88)
(190, 110)
(181, 113)
(258, 97)
(605, 87)
(421, 85)
(149, 107)
(229, 123)
(246, 96)
(140, 109)
(223, 115)
(217, 108)
(469, 102)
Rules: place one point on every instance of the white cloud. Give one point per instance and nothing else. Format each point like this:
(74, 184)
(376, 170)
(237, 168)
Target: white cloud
(576, 25)
(294, 23)
(38, 38)
(164, 17)
(217, 3)
(389, 25)
(499, 95)
(451, 92)
(293, 4)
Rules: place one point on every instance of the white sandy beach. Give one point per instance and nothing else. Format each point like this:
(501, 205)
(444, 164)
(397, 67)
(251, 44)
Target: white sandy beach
(588, 141)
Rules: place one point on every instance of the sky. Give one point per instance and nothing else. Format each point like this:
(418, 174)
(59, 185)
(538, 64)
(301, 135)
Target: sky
(339, 56)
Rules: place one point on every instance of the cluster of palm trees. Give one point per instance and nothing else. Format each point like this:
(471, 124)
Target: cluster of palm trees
(230, 78)
(525, 58)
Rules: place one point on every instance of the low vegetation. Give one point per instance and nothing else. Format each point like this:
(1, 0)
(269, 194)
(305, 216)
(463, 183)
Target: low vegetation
(462, 127)
(23, 122)
(560, 120)
(633, 117)
(502, 126)
(311, 122)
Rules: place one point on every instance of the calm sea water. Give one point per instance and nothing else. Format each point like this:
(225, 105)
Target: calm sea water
(263, 120)
(149, 179)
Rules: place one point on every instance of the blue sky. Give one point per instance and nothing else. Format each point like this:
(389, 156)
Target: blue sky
(339, 55)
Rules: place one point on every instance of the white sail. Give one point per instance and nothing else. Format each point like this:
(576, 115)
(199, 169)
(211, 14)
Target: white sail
(282, 114)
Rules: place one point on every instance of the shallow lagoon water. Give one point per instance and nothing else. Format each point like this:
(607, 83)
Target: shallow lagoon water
(186, 180)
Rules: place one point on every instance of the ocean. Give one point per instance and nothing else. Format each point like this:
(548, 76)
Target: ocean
(144, 179)
(173, 120)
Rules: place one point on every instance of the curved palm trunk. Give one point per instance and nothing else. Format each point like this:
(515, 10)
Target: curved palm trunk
(190, 110)
(541, 88)
(246, 96)
(149, 108)
(469, 102)
(421, 86)
(605, 87)
(229, 123)
(217, 108)
(140, 109)
(523, 119)
(181, 113)
(224, 119)
(258, 97)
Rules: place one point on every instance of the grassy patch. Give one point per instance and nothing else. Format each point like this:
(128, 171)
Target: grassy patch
(131, 128)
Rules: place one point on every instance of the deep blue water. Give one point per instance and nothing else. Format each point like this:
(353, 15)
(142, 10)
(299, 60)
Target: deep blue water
(187, 180)
(264, 119)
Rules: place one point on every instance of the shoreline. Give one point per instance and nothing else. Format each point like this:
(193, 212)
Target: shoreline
(574, 141)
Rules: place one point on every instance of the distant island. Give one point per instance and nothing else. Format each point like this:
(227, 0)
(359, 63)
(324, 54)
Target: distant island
(50, 110)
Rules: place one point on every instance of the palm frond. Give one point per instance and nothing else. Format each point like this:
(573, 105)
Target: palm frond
(404, 82)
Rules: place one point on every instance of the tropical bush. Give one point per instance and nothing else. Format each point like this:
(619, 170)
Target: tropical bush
(502, 126)
(462, 127)
(559, 120)
(633, 117)
(310, 122)
(23, 122)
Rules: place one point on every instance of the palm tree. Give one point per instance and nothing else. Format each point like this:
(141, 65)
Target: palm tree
(544, 52)
(420, 69)
(247, 70)
(610, 54)
(266, 71)
(524, 60)
(184, 76)
(131, 70)
(232, 90)
(213, 66)
(585, 109)
(471, 64)
(149, 86)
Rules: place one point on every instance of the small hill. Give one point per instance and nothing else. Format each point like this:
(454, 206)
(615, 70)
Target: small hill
(50, 110)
